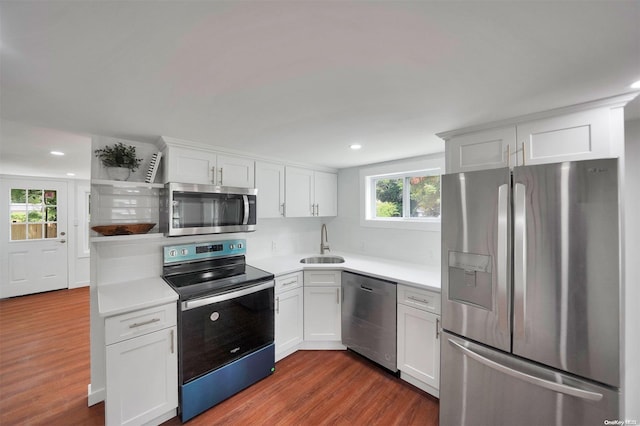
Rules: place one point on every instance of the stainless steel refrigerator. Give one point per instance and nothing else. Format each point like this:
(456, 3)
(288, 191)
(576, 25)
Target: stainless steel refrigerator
(530, 295)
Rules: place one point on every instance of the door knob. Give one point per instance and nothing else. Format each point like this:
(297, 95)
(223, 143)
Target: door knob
(63, 233)
(63, 241)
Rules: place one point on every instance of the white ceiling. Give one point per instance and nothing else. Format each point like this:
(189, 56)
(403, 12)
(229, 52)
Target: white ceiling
(299, 80)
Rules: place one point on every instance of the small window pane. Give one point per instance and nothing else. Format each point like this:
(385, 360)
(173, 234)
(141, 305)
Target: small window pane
(425, 196)
(19, 214)
(51, 214)
(36, 214)
(389, 197)
(35, 196)
(50, 197)
(51, 230)
(35, 231)
(18, 195)
(18, 232)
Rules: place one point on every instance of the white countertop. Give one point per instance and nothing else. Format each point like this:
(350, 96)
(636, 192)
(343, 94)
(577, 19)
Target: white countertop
(412, 274)
(132, 295)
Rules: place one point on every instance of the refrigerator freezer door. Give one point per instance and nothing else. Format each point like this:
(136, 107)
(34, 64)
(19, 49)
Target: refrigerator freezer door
(566, 263)
(475, 256)
(481, 386)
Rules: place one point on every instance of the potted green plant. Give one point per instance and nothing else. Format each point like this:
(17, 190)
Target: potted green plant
(119, 159)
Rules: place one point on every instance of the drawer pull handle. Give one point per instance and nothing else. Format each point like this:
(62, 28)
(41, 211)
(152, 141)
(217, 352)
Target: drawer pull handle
(140, 324)
(417, 299)
(289, 283)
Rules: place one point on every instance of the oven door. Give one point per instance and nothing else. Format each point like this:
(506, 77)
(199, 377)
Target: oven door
(217, 330)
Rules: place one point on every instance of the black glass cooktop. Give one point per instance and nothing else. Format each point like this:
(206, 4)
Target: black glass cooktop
(211, 277)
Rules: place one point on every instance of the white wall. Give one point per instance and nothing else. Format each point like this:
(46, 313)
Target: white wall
(78, 228)
(632, 271)
(347, 234)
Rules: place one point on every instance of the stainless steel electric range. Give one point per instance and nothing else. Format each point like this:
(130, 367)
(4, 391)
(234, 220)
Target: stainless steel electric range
(225, 322)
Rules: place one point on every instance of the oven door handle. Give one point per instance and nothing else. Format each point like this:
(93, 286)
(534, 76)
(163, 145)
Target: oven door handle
(191, 304)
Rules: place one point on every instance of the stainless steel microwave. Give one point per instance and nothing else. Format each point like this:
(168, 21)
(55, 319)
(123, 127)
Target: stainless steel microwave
(191, 209)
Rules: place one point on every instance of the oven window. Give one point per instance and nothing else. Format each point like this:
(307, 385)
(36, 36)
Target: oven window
(217, 334)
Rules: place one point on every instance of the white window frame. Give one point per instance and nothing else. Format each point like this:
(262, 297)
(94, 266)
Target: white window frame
(427, 166)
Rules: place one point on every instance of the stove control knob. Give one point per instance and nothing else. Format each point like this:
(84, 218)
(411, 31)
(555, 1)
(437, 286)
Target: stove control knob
(231, 246)
(239, 245)
(172, 253)
(184, 252)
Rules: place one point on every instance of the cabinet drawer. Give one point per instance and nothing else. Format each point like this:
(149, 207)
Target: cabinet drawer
(288, 282)
(322, 278)
(137, 323)
(424, 300)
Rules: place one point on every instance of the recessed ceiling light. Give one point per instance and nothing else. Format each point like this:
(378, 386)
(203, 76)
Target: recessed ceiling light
(71, 174)
(355, 146)
(56, 153)
(635, 85)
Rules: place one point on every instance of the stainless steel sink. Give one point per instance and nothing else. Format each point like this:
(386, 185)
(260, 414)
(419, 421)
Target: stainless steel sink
(323, 259)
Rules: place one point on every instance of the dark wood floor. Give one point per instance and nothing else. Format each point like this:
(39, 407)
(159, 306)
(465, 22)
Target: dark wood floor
(44, 372)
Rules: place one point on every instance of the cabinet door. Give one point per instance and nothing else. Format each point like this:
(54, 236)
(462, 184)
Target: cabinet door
(142, 378)
(322, 310)
(191, 166)
(326, 193)
(580, 136)
(419, 345)
(289, 320)
(270, 184)
(299, 198)
(488, 149)
(235, 171)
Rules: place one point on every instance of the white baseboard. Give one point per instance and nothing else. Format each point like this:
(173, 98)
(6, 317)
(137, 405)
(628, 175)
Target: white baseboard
(322, 346)
(420, 384)
(163, 418)
(96, 396)
(286, 353)
(80, 284)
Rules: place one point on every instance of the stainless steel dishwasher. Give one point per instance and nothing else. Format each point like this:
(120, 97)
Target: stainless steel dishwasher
(369, 318)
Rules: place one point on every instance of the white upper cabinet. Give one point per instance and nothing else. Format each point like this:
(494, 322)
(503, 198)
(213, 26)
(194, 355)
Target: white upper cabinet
(581, 132)
(580, 136)
(187, 165)
(488, 149)
(235, 171)
(310, 193)
(270, 184)
(326, 193)
(299, 192)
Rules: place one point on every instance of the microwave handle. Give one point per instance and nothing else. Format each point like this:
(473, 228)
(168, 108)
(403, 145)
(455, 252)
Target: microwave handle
(245, 220)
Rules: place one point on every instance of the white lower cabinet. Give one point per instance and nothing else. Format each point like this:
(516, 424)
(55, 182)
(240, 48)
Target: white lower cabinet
(418, 342)
(322, 306)
(289, 331)
(142, 371)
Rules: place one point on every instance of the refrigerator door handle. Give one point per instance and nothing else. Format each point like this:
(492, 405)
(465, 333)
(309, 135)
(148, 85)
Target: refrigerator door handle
(519, 260)
(547, 384)
(502, 257)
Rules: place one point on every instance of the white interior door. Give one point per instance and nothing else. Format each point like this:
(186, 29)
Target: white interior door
(33, 236)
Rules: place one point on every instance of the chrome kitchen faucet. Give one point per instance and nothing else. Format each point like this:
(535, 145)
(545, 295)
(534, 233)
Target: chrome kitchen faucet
(324, 239)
